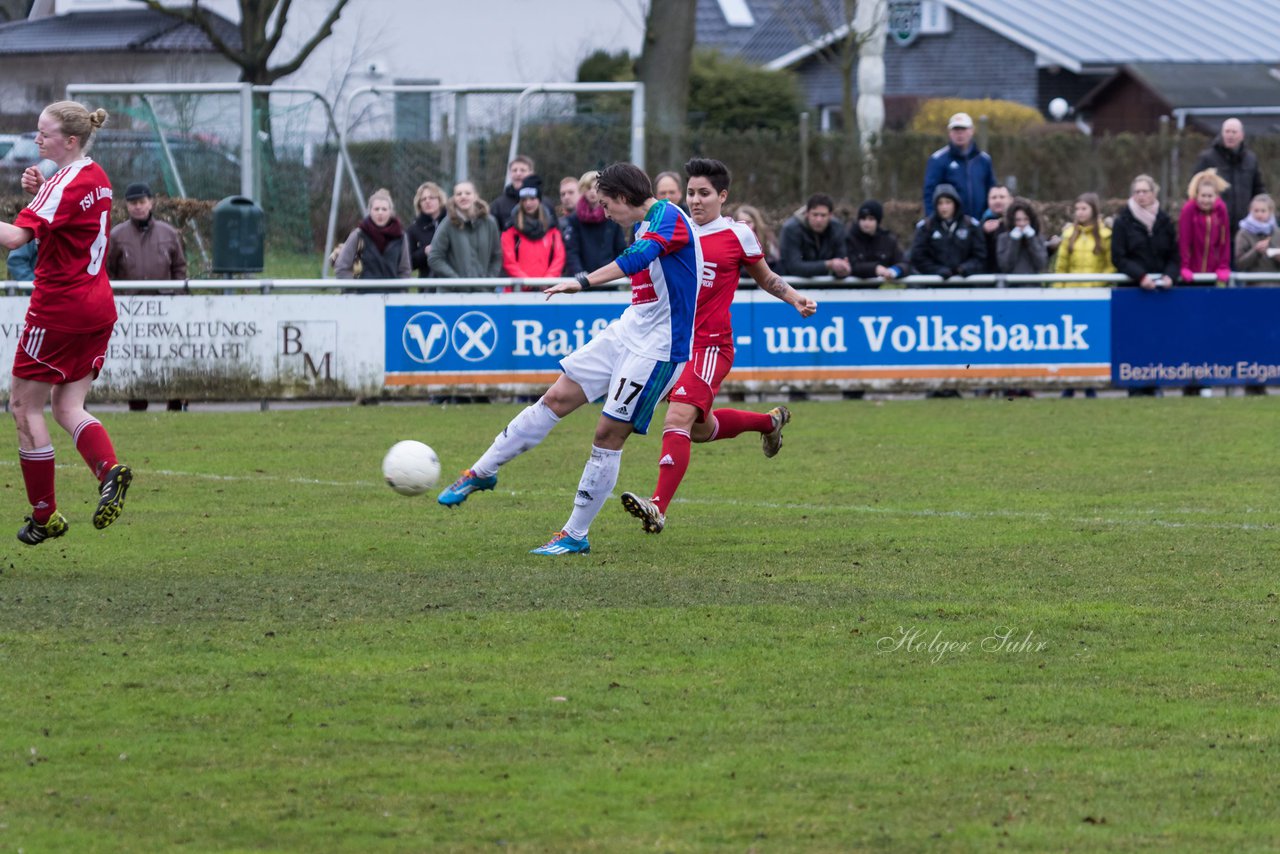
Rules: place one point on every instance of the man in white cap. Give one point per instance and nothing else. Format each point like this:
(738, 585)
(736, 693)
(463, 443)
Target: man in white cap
(962, 165)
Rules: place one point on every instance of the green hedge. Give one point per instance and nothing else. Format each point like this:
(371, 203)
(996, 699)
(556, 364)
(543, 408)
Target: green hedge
(768, 168)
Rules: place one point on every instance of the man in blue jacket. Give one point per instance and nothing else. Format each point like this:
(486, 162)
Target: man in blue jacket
(961, 165)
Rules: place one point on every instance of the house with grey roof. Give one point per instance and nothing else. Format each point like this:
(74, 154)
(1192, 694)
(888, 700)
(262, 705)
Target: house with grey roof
(1028, 51)
(65, 41)
(1136, 97)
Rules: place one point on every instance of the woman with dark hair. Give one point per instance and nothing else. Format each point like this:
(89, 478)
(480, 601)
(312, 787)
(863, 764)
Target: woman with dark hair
(532, 247)
(1144, 241)
(591, 239)
(632, 364)
(1085, 244)
(1020, 249)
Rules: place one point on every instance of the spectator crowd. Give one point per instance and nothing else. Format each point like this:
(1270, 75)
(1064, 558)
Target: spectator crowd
(971, 225)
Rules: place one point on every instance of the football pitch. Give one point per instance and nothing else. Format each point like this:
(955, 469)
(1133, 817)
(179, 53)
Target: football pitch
(942, 625)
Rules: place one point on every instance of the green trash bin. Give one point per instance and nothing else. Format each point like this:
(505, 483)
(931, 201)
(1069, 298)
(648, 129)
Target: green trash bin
(238, 236)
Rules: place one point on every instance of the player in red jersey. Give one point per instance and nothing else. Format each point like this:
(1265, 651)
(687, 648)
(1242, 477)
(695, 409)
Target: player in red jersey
(69, 321)
(726, 245)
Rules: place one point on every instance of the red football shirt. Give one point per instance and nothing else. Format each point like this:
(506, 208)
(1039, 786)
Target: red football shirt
(725, 246)
(71, 217)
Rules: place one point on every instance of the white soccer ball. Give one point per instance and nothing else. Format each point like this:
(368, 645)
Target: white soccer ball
(411, 468)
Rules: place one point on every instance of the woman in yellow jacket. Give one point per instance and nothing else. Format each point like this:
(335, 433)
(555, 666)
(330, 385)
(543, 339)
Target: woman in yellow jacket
(1086, 244)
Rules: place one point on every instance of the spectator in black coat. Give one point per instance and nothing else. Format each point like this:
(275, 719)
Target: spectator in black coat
(992, 219)
(949, 242)
(1237, 165)
(1144, 240)
(591, 239)
(815, 244)
(501, 208)
(429, 202)
(874, 252)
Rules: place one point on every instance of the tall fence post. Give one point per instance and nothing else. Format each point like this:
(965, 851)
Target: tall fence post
(248, 161)
(1167, 168)
(461, 142)
(804, 154)
(637, 126)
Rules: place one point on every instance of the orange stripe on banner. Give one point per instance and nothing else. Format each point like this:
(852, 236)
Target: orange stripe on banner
(1064, 372)
(478, 378)
(758, 374)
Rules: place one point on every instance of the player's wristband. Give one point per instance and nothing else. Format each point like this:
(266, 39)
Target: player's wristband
(582, 279)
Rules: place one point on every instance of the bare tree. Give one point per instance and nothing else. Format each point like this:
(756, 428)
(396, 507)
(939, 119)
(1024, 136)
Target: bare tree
(831, 26)
(839, 31)
(262, 24)
(13, 10)
(664, 68)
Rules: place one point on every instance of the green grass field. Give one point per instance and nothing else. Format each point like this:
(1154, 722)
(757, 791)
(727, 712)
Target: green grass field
(1042, 625)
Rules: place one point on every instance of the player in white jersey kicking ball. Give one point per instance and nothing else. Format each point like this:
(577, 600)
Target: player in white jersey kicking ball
(725, 245)
(633, 363)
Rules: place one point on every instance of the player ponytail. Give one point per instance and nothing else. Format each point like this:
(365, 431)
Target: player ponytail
(75, 120)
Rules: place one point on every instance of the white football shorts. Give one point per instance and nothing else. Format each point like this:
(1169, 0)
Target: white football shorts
(631, 385)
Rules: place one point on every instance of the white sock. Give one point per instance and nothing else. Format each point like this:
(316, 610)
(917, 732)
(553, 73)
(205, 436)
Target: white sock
(525, 431)
(598, 479)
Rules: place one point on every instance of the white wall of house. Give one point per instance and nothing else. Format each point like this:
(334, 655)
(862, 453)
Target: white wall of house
(28, 83)
(381, 42)
(480, 41)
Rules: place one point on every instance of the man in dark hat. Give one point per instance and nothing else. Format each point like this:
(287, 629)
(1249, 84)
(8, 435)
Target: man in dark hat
(873, 251)
(145, 249)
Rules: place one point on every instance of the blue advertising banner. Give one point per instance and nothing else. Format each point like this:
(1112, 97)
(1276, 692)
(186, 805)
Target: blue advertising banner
(927, 335)
(856, 338)
(1196, 336)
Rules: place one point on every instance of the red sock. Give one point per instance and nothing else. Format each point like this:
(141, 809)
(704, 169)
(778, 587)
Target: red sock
(94, 445)
(730, 423)
(37, 475)
(671, 466)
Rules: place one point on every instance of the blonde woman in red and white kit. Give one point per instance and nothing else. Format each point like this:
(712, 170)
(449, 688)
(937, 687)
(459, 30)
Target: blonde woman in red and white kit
(69, 320)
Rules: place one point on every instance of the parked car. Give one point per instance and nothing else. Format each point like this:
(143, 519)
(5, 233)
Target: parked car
(207, 171)
(21, 152)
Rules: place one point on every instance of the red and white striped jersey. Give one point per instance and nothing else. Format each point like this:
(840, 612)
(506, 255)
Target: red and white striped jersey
(726, 245)
(71, 217)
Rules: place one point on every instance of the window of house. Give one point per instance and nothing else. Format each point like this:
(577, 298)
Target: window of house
(935, 18)
(737, 13)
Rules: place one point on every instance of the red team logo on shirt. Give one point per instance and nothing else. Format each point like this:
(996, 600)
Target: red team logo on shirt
(642, 290)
